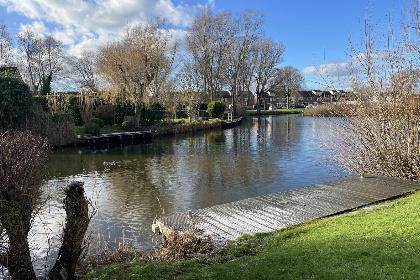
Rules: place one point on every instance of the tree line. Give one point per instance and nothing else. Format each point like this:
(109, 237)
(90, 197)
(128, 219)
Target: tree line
(149, 64)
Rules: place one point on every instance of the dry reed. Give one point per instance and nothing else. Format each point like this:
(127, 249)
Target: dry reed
(183, 245)
(381, 133)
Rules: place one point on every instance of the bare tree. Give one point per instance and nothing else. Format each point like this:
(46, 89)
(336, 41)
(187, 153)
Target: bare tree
(187, 93)
(247, 29)
(6, 44)
(222, 51)
(208, 44)
(23, 158)
(85, 69)
(29, 44)
(287, 80)
(130, 65)
(43, 58)
(268, 54)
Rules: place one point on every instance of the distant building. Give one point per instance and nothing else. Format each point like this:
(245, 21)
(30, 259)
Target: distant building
(303, 98)
(245, 99)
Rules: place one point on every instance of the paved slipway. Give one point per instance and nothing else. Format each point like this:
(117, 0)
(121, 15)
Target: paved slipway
(275, 211)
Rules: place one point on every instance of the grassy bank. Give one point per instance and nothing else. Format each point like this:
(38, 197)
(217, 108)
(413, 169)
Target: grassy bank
(276, 112)
(80, 130)
(377, 243)
(178, 126)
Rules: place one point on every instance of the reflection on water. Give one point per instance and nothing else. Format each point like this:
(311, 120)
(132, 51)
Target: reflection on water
(130, 186)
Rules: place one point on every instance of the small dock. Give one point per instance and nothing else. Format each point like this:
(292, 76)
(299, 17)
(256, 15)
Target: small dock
(231, 123)
(275, 211)
(115, 139)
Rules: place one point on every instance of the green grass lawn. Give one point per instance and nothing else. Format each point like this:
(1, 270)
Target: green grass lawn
(382, 242)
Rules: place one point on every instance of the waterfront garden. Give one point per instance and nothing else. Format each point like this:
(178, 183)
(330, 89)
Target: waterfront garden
(376, 133)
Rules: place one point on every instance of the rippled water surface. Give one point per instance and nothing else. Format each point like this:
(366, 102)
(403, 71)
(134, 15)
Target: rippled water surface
(130, 186)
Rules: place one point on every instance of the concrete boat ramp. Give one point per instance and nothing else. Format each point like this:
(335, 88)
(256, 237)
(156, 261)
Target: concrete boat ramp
(275, 211)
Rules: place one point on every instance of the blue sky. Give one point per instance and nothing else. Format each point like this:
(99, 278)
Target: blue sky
(314, 32)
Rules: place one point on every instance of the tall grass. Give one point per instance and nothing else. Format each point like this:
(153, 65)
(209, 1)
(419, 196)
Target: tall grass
(380, 139)
(325, 110)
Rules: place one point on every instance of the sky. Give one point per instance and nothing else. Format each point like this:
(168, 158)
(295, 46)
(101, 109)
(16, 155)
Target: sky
(315, 32)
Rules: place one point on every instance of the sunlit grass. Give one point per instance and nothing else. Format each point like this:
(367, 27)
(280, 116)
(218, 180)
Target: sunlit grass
(378, 243)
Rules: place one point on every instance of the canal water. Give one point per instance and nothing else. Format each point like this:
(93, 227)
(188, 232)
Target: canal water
(130, 186)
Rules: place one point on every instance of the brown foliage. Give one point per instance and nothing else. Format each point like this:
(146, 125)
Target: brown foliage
(184, 245)
(100, 253)
(326, 110)
(380, 139)
(141, 59)
(23, 159)
(380, 133)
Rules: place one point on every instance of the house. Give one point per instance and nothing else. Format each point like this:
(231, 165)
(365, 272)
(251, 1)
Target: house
(245, 99)
(332, 96)
(303, 98)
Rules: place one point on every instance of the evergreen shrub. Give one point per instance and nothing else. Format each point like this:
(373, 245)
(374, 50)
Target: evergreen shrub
(181, 115)
(216, 109)
(107, 113)
(129, 126)
(152, 115)
(16, 102)
(41, 102)
(121, 111)
(92, 128)
(98, 121)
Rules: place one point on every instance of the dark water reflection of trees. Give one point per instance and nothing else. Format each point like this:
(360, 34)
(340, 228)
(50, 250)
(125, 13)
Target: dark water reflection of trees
(132, 185)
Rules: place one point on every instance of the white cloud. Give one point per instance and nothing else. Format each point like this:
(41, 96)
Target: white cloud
(81, 23)
(37, 26)
(333, 69)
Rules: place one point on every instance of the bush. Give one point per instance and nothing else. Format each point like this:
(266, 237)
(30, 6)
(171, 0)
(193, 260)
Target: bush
(99, 122)
(121, 111)
(184, 245)
(16, 103)
(41, 102)
(327, 110)
(216, 109)
(129, 126)
(107, 113)
(151, 115)
(381, 134)
(58, 128)
(203, 114)
(92, 128)
(181, 115)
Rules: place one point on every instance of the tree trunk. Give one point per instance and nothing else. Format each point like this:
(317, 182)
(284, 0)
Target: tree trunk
(258, 103)
(16, 222)
(19, 262)
(77, 222)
